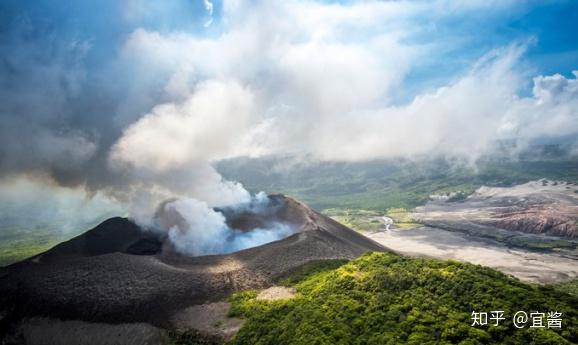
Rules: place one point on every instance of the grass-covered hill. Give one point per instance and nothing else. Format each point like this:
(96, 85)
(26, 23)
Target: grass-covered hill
(384, 298)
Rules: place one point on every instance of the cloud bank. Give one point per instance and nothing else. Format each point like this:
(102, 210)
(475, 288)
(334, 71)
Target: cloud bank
(149, 99)
(321, 77)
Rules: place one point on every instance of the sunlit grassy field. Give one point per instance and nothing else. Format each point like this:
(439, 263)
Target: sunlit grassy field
(17, 243)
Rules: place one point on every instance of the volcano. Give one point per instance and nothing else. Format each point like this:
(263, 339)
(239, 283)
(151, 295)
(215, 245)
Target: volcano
(118, 274)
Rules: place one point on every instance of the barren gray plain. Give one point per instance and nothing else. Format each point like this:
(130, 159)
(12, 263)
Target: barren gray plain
(516, 230)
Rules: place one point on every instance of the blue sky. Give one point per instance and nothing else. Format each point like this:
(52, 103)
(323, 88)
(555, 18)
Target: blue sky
(552, 24)
(463, 37)
(555, 26)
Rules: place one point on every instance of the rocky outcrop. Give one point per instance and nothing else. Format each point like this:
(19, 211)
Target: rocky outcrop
(538, 207)
(537, 221)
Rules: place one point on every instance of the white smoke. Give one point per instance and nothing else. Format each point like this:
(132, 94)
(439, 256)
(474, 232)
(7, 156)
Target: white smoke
(193, 228)
(168, 152)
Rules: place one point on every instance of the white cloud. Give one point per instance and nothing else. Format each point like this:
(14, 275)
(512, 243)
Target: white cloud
(203, 127)
(34, 203)
(209, 7)
(317, 79)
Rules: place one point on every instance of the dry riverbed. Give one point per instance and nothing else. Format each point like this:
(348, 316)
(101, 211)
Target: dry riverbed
(529, 266)
(513, 229)
(528, 231)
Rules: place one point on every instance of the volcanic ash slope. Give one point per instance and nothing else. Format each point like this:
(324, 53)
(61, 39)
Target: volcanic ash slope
(117, 274)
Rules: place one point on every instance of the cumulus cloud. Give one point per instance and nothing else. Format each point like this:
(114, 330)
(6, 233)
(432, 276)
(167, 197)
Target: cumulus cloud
(203, 127)
(321, 92)
(553, 107)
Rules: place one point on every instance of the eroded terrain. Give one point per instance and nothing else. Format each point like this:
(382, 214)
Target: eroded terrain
(528, 230)
(537, 207)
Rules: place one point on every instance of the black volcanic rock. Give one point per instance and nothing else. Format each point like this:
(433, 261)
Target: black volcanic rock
(113, 235)
(97, 277)
(145, 246)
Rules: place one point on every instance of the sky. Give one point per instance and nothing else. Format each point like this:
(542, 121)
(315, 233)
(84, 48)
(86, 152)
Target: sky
(134, 99)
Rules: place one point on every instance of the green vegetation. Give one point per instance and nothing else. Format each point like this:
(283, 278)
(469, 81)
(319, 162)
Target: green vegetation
(30, 236)
(459, 196)
(380, 185)
(356, 219)
(569, 287)
(192, 338)
(384, 298)
(541, 244)
(369, 220)
(18, 243)
(311, 268)
(402, 218)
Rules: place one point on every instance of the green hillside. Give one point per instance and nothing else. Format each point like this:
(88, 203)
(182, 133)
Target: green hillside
(384, 298)
(384, 184)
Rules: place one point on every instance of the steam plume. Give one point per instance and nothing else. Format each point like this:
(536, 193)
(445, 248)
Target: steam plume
(193, 228)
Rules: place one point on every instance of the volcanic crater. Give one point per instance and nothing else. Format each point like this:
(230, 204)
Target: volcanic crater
(116, 273)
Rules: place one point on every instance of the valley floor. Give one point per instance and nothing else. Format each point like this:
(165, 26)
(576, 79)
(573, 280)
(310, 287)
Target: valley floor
(528, 266)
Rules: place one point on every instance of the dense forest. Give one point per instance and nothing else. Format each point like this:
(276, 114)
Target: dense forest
(384, 298)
